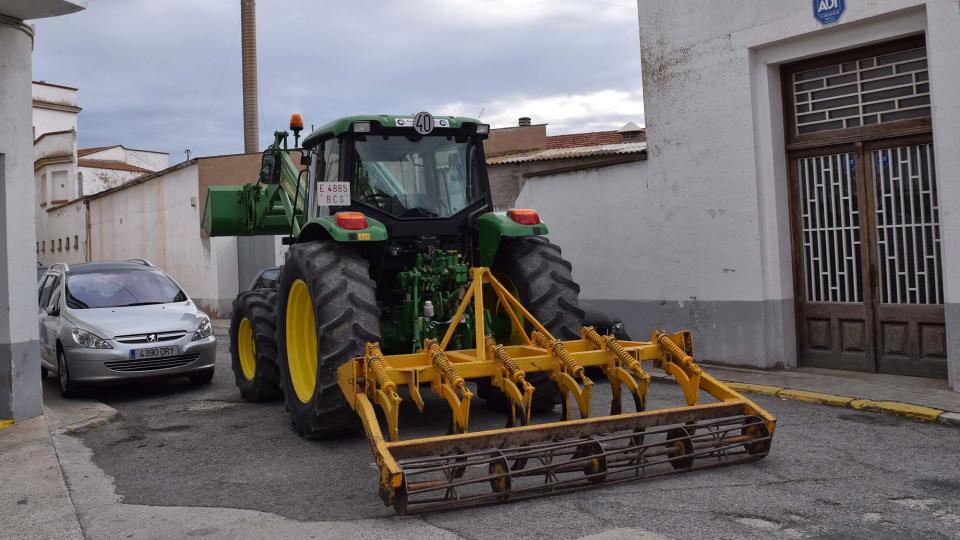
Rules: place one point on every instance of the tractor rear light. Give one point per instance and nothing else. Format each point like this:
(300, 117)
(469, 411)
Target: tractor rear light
(352, 221)
(361, 127)
(483, 129)
(524, 216)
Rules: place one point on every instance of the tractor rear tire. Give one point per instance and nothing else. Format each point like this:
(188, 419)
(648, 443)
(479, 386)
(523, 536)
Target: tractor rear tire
(253, 345)
(326, 312)
(544, 285)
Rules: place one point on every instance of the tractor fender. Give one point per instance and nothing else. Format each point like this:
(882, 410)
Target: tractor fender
(493, 226)
(326, 228)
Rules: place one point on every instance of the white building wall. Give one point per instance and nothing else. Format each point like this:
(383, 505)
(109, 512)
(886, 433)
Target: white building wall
(146, 159)
(95, 180)
(709, 219)
(155, 161)
(62, 234)
(47, 120)
(156, 220)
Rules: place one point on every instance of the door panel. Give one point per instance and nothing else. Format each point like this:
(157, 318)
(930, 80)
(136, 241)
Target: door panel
(906, 220)
(835, 326)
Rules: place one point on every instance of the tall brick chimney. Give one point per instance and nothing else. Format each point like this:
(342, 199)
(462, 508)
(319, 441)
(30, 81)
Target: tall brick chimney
(248, 41)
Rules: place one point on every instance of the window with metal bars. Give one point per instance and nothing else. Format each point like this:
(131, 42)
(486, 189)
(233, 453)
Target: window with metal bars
(830, 228)
(908, 225)
(872, 90)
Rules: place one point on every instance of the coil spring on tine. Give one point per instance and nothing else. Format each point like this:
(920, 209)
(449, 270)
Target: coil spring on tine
(673, 350)
(560, 352)
(628, 360)
(443, 364)
(516, 374)
(376, 365)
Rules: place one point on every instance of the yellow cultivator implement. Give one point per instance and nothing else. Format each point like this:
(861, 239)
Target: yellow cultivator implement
(525, 459)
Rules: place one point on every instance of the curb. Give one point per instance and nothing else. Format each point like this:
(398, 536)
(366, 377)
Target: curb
(5, 423)
(896, 408)
(76, 416)
(105, 417)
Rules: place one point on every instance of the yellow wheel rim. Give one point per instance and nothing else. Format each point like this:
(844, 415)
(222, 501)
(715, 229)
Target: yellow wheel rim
(301, 330)
(247, 348)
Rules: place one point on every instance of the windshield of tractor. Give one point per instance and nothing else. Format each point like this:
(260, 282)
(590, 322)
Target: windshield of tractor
(413, 176)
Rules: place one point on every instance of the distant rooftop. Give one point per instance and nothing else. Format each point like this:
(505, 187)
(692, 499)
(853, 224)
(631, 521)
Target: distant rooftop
(110, 165)
(94, 149)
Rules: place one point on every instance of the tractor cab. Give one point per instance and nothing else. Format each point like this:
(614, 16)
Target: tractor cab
(422, 177)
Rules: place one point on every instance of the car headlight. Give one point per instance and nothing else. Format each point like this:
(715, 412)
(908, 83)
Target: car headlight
(204, 330)
(617, 327)
(89, 340)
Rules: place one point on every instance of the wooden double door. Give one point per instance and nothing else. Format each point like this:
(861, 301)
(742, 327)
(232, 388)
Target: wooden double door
(866, 249)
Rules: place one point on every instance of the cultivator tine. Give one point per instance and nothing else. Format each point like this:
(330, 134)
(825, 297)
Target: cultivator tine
(382, 388)
(624, 369)
(509, 379)
(567, 368)
(451, 387)
(679, 364)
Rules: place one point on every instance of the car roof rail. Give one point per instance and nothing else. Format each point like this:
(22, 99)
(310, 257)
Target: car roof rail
(141, 261)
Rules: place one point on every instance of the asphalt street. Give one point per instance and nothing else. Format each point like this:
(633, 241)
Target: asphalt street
(831, 472)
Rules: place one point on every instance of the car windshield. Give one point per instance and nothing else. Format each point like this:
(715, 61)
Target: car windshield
(121, 288)
(413, 176)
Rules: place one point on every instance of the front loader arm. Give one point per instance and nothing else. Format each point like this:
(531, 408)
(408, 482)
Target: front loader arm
(266, 207)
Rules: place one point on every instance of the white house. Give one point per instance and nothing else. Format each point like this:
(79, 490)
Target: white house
(64, 174)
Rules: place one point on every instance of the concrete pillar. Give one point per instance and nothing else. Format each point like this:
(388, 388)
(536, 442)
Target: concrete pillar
(20, 395)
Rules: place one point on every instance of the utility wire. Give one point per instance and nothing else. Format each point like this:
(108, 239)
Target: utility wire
(216, 93)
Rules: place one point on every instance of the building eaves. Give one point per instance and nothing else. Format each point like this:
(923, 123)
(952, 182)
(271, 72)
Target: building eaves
(66, 107)
(111, 165)
(95, 149)
(621, 148)
(45, 83)
(50, 133)
(85, 151)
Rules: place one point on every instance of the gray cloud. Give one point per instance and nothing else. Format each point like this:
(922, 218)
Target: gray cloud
(166, 75)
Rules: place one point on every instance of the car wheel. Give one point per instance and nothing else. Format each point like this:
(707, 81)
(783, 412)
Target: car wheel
(199, 379)
(68, 388)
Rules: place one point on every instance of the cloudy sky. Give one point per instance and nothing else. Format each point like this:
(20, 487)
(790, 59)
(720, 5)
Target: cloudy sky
(165, 74)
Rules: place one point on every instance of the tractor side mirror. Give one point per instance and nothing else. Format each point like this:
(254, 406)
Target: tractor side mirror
(266, 169)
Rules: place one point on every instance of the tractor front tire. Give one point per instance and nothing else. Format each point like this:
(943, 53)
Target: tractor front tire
(253, 345)
(543, 283)
(326, 312)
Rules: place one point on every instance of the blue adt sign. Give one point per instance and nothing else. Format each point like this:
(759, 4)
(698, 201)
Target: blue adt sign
(828, 11)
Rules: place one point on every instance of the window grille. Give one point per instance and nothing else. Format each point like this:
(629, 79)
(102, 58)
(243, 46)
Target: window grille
(908, 225)
(830, 228)
(873, 90)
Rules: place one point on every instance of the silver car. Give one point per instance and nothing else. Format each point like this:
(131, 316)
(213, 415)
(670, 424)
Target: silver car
(120, 321)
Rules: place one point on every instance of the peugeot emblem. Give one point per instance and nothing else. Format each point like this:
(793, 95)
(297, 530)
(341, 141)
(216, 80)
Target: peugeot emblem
(152, 338)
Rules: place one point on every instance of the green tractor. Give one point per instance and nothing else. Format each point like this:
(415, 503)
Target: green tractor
(384, 217)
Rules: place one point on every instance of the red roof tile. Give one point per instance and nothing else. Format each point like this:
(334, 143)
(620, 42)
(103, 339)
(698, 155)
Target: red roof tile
(86, 151)
(594, 138)
(109, 164)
